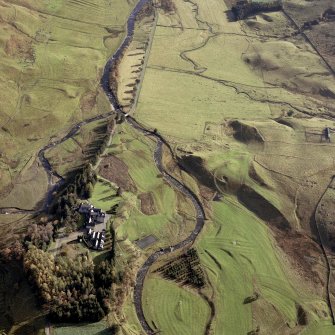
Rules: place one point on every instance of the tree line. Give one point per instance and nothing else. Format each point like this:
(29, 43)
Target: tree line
(79, 186)
(72, 290)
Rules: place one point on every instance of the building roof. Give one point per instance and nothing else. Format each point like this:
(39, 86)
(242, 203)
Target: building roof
(84, 208)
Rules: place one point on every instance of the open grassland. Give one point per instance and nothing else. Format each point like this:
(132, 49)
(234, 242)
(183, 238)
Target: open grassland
(191, 102)
(231, 71)
(89, 329)
(52, 55)
(289, 164)
(239, 256)
(172, 309)
(213, 74)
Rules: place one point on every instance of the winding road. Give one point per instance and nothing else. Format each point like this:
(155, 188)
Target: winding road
(200, 213)
(173, 182)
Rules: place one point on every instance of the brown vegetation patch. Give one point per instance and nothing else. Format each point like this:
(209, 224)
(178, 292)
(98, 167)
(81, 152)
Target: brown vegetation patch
(146, 11)
(20, 47)
(147, 203)
(316, 18)
(304, 254)
(87, 101)
(323, 40)
(167, 6)
(206, 193)
(115, 170)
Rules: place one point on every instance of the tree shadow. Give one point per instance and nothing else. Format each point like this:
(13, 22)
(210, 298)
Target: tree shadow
(31, 328)
(230, 15)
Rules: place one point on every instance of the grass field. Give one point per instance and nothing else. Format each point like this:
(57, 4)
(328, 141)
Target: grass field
(168, 216)
(174, 310)
(225, 73)
(104, 195)
(203, 72)
(100, 328)
(240, 259)
(167, 221)
(51, 63)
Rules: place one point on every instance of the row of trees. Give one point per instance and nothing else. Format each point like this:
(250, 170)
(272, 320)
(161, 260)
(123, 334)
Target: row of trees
(101, 134)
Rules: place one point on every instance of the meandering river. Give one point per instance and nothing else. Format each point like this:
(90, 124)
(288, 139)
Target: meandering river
(200, 214)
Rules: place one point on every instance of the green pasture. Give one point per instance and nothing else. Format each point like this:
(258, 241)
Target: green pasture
(172, 309)
(180, 104)
(136, 151)
(240, 259)
(104, 195)
(319, 328)
(97, 328)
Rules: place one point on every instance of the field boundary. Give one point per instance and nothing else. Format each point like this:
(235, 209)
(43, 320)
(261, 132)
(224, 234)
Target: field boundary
(300, 31)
